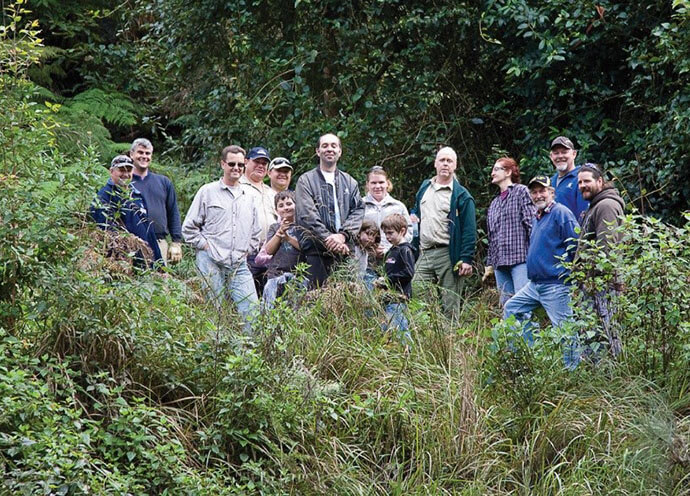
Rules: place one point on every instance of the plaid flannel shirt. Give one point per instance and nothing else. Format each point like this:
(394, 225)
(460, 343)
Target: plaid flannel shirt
(509, 224)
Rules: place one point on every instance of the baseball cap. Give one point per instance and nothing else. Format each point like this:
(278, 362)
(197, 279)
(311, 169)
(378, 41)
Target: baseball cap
(280, 163)
(563, 141)
(121, 161)
(541, 180)
(258, 152)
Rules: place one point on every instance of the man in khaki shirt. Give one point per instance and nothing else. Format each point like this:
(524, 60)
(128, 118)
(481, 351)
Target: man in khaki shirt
(256, 166)
(447, 231)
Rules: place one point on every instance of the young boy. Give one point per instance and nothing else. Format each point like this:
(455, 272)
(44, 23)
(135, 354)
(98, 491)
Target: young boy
(399, 264)
(283, 247)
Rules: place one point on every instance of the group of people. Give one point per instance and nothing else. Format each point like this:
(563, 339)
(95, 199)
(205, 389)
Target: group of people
(533, 229)
(249, 234)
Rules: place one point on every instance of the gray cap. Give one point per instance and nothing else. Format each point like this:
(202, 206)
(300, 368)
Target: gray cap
(563, 141)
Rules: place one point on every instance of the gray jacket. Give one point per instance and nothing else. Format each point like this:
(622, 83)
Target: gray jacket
(315, 214)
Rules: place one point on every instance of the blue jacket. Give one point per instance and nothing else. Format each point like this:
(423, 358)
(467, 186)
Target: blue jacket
(568, 194)
(161, 199)
(553, 236)
(462, 223)
(118, 208)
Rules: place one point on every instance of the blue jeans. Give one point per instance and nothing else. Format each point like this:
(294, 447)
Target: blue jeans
(237, 281)
(395, 315)
(555, 298)
(510, 279)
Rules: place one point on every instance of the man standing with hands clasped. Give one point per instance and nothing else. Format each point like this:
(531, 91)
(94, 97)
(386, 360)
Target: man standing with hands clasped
(447, 231)
(329, 212)
(161, 199)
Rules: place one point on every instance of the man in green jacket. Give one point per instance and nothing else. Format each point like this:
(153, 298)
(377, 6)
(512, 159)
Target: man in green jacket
(447, 231)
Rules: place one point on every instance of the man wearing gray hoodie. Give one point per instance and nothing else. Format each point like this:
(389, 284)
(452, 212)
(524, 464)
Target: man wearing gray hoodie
(600, 225)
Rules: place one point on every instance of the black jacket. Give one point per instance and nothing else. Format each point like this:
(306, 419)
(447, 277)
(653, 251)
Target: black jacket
(399, 262)
(315, 214)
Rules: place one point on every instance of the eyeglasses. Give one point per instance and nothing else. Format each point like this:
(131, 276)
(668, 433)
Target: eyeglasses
(239, 165)
(498, 168)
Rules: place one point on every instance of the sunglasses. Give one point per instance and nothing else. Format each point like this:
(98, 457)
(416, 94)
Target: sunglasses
(123, 160)
(279, 162)
(239, 165)
(596, 167)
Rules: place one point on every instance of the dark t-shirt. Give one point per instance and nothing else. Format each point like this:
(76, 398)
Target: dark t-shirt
(285, 259)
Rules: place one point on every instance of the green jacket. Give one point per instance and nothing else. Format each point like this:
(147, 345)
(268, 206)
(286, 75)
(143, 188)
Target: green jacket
(462, 222)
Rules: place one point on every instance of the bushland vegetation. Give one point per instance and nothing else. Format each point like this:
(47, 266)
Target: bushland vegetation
(116, 382)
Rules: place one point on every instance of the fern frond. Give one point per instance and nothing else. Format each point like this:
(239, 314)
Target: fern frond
(112, 107)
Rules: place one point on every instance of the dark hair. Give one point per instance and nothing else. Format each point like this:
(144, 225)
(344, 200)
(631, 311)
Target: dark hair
(509, 164)
(282, 195)
(232, 149)
(596, 170)
(394, 221)
(380, 171)
(370, 226)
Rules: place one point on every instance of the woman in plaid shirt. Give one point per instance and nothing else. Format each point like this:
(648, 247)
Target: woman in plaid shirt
(509, 224)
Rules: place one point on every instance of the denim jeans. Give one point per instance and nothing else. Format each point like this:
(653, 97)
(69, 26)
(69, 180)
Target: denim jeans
(555, 298)
(395, 319)
(236, 282)
(510, 279)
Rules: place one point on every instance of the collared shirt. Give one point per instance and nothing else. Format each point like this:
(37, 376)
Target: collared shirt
(265, 202)
(509, 224)
(568, 194)
(435, 207)
(224, 221)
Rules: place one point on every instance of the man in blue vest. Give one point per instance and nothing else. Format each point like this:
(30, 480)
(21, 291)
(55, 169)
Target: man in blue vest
(563, 155)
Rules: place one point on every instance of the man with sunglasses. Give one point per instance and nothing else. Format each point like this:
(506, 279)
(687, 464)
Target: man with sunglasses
(222, 224)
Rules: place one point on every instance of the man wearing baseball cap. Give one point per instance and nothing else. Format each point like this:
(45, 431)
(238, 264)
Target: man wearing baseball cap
(280, 174)
(553, 238)
(562, 156)
(120, 205)
(255, 168)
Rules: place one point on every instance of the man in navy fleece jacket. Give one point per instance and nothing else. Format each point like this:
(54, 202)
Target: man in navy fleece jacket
(553, 239)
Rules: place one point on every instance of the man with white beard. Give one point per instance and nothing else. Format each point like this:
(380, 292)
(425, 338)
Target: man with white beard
(563, 155)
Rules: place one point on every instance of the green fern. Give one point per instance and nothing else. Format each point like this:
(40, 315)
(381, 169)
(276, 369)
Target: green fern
(111, 107)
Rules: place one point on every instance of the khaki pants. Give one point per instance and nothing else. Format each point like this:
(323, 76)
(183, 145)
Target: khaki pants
(433, 266)
(163, 246)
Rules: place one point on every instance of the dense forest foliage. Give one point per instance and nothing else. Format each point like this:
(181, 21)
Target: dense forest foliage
(395, 79)
(119, 382)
